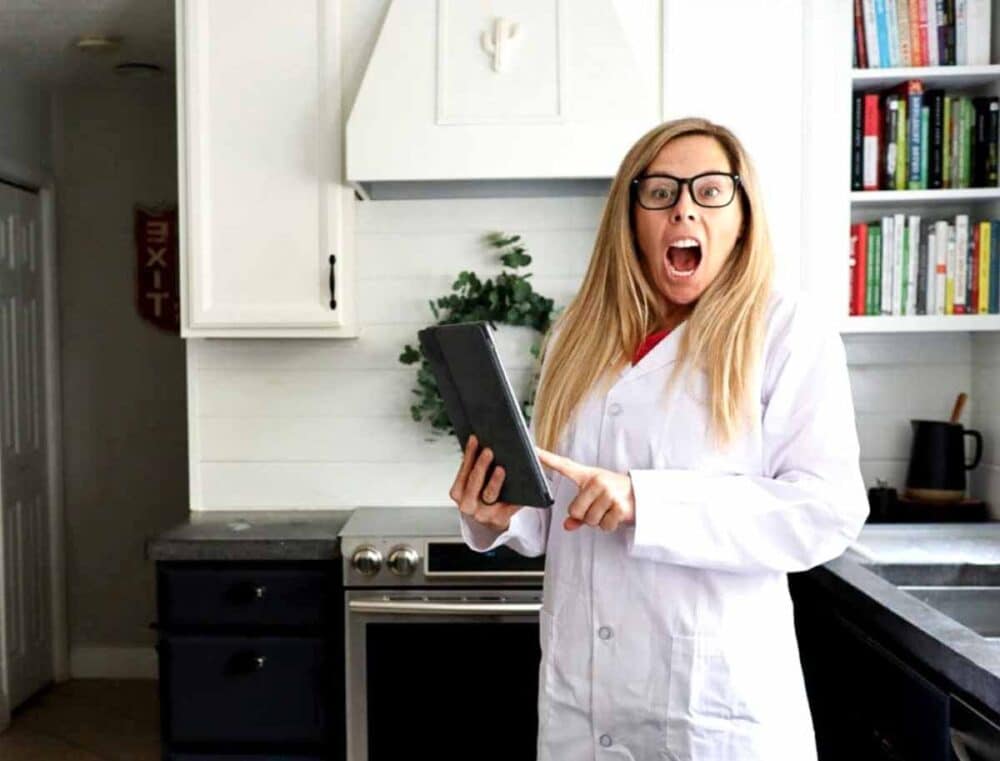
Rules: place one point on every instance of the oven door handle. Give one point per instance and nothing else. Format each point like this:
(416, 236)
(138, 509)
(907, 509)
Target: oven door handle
(423, 608)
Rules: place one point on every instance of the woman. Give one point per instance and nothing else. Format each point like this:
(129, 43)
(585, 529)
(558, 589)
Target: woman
(706, 447)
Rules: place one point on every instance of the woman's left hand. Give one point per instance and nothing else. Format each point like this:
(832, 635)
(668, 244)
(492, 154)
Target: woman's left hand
(604, 498)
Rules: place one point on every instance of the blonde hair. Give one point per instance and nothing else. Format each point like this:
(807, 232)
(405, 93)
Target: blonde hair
(617, 305)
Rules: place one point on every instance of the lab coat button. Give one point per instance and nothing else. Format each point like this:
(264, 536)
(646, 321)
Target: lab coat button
(614, 409)
(604, 632)
(605, 741)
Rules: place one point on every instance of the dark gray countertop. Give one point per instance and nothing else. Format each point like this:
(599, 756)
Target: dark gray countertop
(916, 553)
(252, 535)
(924, 554)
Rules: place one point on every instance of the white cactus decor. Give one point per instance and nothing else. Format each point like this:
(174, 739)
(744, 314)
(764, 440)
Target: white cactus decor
(498, 43)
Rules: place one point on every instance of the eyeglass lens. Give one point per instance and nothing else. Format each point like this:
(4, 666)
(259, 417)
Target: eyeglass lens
(707, 190)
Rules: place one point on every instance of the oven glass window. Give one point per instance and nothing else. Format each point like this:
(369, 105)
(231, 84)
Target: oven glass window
(452, 690)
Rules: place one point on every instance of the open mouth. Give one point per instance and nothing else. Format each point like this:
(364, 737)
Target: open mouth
(683, 258)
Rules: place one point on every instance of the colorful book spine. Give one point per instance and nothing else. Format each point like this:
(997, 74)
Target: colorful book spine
(977, 14)
(892, 28)
(994, 270)
(903, 23)
(857, 141)
(888, 257)
(913, 263)
(961, 254)
(918, 11)
(860, 53)
(876, 248)
(933, 55)
(925, 130)
(871, 274)
(883, 34)
(941, 266)
(899, 267)
(871, 34)
(974, 272)
(985, 267)
(871, 142)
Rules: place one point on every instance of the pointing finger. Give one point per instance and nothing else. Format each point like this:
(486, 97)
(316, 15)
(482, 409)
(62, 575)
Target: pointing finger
(572, 470)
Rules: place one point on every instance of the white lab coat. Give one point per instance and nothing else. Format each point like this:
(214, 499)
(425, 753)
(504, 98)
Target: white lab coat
(673, 638)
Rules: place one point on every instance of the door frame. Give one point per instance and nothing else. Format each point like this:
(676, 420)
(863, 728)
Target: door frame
(43, 183)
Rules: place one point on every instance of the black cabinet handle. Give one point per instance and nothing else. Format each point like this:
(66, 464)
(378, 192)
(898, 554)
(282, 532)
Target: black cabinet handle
(245, 662)
(333, 282)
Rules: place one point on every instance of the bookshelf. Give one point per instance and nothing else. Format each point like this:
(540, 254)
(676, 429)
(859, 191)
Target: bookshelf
(978, 203)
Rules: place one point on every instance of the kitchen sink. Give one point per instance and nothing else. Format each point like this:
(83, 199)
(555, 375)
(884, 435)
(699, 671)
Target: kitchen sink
(968, 594)
(975, 607)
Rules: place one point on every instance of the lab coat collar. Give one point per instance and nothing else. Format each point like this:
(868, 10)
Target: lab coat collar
(660, 356)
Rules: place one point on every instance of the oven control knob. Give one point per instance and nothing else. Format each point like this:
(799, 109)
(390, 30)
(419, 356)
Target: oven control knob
(403, 561)
(367, 561)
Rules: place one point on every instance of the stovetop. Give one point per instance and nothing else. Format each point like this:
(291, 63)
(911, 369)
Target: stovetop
(416, 522)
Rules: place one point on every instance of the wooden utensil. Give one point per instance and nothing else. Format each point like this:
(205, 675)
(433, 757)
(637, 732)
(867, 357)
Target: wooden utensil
(956, 412)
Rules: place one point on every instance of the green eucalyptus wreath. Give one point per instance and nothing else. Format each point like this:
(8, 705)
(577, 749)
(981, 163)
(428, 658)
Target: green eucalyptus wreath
(509, 300)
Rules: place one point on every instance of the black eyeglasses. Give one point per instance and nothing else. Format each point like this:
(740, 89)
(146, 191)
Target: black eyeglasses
(709, 189)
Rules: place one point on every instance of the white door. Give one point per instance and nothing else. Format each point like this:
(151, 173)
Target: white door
(25, 609)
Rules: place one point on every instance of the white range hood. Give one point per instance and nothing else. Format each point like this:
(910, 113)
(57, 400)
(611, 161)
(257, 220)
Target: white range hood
(460, 90)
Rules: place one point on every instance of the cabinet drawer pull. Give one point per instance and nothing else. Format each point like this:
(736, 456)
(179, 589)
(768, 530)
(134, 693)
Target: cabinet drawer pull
(258, 592)
(333, 282)
(246, 662)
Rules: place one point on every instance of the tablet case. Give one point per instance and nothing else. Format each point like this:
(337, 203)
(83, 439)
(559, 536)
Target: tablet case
(479, 399)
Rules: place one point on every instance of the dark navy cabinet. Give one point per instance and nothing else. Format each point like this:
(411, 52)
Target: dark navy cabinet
(868, 703)
(251, 660)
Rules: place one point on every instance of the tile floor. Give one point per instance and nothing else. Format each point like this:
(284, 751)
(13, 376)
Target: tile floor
(87, 720)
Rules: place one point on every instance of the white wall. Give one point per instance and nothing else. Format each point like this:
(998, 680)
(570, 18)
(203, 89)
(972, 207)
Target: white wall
(986, 418)
(326, 423)
(125, 449)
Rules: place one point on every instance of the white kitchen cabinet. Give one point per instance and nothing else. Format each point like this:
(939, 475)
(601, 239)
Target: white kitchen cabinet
(771, 71)
(262, 204)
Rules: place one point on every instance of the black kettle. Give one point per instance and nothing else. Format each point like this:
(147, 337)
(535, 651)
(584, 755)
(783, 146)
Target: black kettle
(936, 472)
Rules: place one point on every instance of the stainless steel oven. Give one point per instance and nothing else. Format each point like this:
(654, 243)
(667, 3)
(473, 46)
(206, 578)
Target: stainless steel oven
(441, 642)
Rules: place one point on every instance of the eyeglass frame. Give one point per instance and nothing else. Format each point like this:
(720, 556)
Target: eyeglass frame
(681, 182)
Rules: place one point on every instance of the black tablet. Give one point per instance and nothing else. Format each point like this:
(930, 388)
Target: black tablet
(479, 400)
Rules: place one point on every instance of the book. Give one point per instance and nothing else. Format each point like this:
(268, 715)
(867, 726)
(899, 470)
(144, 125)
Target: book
(913, 263)
(941, 266)
(918, 33)
(985, 267)
(871, 34)
(903, 23)
(890, 175)
(933, 56)
(974, 273)
(921, 303)
(961, 254)
(949, 282)
(874, 268)
(860, 53)
(853, 273)
(857, 141)
(913, 90)
(892, 24)
(872, 142)
(978, 25)
(888, 257)
(961, 33)
(935, 173)
(900, 265)
(984, 142)
(884, 54)
(946, 145)
(994, 270)
(925, 128)
(932, 299)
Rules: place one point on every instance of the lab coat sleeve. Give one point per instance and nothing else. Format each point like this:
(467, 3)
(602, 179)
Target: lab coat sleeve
(811, 502)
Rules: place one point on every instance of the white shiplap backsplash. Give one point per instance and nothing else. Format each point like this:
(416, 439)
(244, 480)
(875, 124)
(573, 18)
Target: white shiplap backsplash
(320, 424)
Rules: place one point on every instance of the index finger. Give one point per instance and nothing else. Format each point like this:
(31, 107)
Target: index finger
(569, 468)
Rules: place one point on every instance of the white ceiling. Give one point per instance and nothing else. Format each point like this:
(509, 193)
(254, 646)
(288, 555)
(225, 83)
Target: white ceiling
(37, 38)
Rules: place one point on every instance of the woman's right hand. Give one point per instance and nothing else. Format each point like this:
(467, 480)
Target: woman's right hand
(469, 493)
